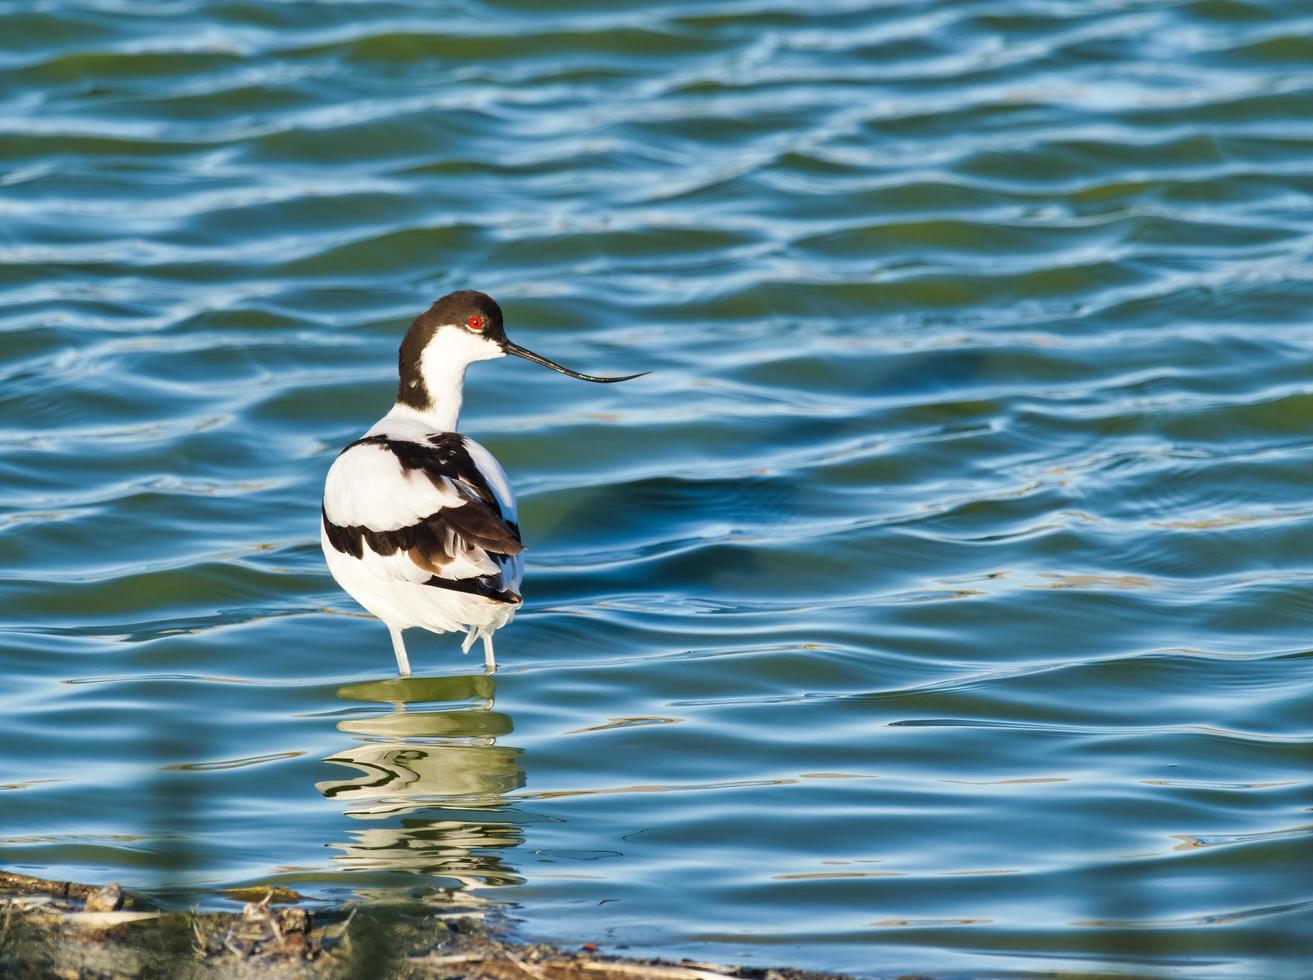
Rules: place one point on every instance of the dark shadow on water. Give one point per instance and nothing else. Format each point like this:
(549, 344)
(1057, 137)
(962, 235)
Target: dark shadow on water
(428, 787)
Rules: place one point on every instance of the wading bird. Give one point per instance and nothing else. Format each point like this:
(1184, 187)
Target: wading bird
(419, 522)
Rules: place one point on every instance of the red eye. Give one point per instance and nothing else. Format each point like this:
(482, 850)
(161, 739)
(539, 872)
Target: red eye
(475, 323)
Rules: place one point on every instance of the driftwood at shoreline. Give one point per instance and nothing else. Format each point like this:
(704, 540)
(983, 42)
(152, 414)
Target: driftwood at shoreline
(65, 929)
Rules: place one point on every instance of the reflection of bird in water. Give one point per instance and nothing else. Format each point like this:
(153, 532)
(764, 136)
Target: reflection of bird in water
(418, 521)
(434, 780)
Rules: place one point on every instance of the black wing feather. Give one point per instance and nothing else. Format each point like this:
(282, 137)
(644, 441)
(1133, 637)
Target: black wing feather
(437, 539)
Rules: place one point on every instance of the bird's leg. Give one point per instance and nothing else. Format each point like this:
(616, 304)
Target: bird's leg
(488, 658)
(471, 635)
(399, 648)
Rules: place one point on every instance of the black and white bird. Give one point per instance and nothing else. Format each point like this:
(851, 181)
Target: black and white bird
(419, 522)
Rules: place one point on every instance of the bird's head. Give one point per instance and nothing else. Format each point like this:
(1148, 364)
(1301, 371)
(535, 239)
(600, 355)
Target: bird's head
(459, 329)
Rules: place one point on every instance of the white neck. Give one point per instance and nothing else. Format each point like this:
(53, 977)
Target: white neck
(444, 381)
(442, 367)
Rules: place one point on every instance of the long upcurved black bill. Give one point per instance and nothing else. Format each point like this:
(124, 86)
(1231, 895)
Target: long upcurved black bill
(529, 355)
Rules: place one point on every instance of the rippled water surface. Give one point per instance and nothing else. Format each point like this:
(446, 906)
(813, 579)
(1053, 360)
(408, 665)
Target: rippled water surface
(942, 601)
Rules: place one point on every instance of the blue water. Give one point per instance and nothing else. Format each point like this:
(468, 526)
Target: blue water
(942, 602)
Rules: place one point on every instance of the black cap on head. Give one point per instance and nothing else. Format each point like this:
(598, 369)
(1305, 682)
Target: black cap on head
(458, 309)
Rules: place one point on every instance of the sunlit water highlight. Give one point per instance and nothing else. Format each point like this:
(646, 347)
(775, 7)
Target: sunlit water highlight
(943, 600)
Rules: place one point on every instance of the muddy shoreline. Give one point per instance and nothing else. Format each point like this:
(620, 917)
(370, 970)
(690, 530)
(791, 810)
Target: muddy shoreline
(70, 930)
